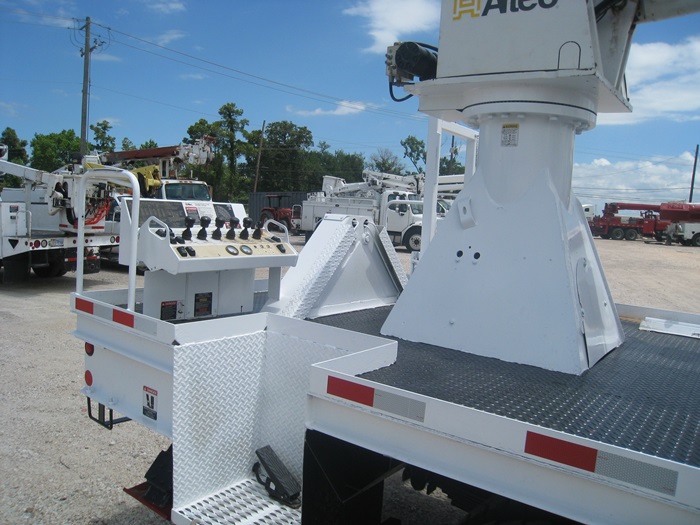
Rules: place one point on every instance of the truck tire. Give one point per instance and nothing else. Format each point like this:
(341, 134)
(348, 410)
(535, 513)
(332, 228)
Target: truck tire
(617, 234)
(266, 216)
(696, 239)
(631, 234)
(412, 240)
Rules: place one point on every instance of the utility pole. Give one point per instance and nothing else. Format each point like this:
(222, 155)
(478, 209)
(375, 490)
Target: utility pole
(85, 53)
(692, 179)
(257, 162)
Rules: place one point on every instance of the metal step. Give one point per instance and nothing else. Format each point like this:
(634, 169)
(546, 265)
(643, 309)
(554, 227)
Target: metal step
(245, 503)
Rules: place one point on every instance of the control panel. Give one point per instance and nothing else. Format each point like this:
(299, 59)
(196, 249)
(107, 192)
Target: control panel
(202, 248)
(201, 267)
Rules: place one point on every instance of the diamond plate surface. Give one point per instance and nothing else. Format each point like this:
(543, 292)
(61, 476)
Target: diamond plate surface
(325, 265)
(393, 257)
(235, 395)
(282, 414)
(644, 396)
(216, 385)
(246, 503)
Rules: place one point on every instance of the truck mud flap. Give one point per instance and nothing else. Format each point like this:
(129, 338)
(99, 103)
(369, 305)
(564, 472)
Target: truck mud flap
(16, 268)
(345, 482)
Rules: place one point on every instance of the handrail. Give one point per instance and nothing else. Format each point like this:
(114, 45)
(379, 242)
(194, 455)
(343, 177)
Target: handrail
(114, 175)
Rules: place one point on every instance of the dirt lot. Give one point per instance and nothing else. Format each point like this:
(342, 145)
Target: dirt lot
(60, 468)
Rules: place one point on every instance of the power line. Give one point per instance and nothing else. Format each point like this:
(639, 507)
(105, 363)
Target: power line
(259, 80)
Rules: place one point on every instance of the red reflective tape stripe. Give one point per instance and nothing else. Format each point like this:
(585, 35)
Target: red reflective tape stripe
(84, 306)
(123, 318)
(561, 451)
(351, 391)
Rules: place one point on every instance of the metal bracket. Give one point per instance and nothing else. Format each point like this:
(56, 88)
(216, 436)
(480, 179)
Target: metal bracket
(101, 413)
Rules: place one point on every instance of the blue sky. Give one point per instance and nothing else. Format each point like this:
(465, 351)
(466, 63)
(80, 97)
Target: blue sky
(165, 64)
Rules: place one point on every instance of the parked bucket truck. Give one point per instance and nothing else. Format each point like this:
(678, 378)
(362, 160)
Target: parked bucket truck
(503, 373)
(684, 222)
(160, 170)
(391, 201)
(39, 222)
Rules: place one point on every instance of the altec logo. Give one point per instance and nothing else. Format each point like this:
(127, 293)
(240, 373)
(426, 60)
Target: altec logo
(476, 8)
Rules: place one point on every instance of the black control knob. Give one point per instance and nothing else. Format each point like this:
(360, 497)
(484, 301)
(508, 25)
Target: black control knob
(216, 235)
(204, 222)
(257, 233)
(187, 234)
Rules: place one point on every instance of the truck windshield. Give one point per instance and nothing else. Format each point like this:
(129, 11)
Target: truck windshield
(187, 192)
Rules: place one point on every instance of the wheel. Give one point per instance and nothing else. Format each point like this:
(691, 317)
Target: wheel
(54, 269)
(617, 234)
(266, 216)
(696, 239)
(412, 240)
(659, 237)
(631, 234)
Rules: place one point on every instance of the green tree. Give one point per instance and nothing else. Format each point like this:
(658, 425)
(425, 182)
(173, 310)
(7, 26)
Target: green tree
(103, 141)
(150, 143)
(338, 163)
(385, 161)
(17, 151)
(50, 152)
(414, 150)
(286, 163)
(232, 139)
(451, 166)
(127, 145)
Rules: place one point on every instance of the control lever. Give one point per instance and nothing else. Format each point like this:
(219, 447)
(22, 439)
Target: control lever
(231, 233)
(216, 235)
(204, 222)
(187, 234)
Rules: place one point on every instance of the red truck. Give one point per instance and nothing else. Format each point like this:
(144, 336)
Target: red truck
(610, 225)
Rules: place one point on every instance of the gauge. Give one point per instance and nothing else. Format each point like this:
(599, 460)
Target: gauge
(247, 250)
(232, 249)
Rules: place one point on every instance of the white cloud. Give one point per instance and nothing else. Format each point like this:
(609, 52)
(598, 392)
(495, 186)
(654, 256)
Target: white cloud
(663, 82)
(9, 109)
(105, 57)
(343, 108)
(169, 36)
(389, 21)
(166, 7)
(652, 180)
(193, 76)
(114, 121)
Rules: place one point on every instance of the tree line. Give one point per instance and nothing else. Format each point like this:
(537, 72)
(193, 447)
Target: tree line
(278, 157)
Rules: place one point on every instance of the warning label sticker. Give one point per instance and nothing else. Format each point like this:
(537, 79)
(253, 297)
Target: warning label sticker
(509, 134)
(150, 403)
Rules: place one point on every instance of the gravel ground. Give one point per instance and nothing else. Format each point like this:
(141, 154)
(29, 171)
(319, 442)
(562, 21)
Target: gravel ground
(60, 468)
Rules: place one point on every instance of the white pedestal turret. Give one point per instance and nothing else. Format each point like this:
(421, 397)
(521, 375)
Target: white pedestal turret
(512, 271)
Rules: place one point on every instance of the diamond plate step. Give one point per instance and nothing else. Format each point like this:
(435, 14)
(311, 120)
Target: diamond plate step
(245, 503)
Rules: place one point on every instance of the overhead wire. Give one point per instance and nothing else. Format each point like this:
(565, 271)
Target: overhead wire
(257, 79)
